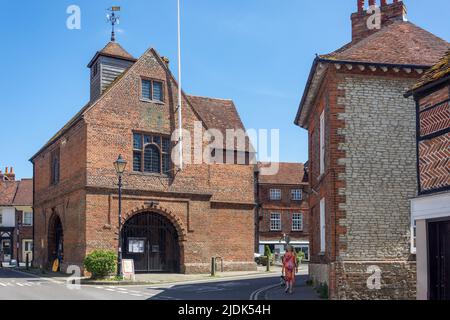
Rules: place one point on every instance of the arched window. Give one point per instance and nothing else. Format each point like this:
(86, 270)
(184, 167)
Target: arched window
(151, 153)
(152, 159)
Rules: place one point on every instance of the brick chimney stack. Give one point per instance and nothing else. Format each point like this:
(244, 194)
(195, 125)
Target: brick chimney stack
(9, 175)
(390, 12)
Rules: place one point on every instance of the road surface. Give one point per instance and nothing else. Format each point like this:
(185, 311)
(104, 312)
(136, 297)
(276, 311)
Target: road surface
(20, 286)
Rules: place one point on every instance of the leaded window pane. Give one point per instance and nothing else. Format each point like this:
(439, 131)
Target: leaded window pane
(152, 160)
(166, 145)
(137, 160)
(166, 163)
(157, 91)
(157, 140)
(146, 89)
(137, 141)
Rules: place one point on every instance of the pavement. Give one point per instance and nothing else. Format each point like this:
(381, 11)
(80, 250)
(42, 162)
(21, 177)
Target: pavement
(15, 285)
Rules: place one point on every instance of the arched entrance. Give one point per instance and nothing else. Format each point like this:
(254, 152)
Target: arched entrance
(55, 240)
(152, 241)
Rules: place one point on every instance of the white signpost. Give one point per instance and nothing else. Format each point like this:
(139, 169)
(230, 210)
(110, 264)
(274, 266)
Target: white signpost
(128, 269)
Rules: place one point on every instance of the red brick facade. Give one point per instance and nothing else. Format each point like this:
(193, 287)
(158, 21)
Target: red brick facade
(284, 181)
(210, 206)
(434, 138)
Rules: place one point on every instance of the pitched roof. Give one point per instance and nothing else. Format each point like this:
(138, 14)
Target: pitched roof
(215, 113)
(288, 173)
(115, 50)
(24, 194)
(16, 193)
(220, 114)
(399, 43)
(436, 73)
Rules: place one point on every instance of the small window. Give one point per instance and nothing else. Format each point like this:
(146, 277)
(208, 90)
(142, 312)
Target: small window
(297, 222)
(414, 237)
(275, 221)
(151, 153)
(1, 218)
(322, 143)
(296, 195)
(27, 219)
(55, 167)
(275, 194)
(322, 226)
(152, 90)
(157, 91)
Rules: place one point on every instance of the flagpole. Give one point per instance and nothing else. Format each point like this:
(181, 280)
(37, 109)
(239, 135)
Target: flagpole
(180, 119)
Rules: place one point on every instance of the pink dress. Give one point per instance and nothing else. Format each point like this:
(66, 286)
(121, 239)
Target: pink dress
(289, 265)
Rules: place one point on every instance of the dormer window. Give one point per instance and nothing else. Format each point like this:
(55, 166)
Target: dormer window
(152, 90)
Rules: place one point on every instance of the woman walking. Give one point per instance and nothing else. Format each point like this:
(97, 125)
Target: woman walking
(290, 268)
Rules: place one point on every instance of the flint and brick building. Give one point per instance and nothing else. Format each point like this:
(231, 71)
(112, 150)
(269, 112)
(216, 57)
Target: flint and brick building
(283, 209)
(173, 221)
(430, 210)
(16, 218)
(362, 164)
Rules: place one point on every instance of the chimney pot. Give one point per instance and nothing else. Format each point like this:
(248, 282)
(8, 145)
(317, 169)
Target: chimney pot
(6, 170)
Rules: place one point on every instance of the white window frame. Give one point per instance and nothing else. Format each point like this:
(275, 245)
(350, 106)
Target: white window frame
(322, 226)
(413, 236)
(273, 192)
(24, 242)
(296, 192)
(322, 143)
(274, 220)
(294, 220)
(23, 219)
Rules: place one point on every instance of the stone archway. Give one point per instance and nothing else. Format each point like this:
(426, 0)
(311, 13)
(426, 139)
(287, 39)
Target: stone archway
(55, 240)
(153, 242)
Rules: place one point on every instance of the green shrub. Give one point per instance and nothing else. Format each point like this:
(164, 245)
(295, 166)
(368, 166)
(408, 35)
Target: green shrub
(267, 251)
(100, 263)
(322, 290)
(300, 257)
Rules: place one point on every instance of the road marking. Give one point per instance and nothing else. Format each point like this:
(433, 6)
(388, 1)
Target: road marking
(2, 284)
(20, 284)
(255, 294)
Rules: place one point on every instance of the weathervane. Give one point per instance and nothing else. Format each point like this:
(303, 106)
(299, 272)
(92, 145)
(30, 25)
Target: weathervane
(113, 19)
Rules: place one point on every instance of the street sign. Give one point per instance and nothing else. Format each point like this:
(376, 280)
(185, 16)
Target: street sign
(128, 269)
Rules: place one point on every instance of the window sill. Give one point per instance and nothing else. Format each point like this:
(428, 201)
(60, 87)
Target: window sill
(321, 254)
(152, 101)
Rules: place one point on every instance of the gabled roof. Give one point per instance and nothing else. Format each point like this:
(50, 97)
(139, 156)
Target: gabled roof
(213, 112)
(288, 174)
(220, 114)
(400, 43)
(114, 50)
(438, 72)
(16, 193)
(217, 113)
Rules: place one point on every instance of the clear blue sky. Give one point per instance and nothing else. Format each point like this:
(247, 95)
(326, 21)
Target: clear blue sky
(256, 52)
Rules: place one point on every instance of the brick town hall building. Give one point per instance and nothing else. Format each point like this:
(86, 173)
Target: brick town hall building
(362, 155)
(173, 221)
